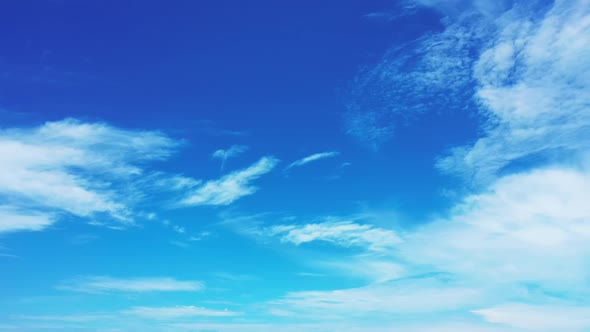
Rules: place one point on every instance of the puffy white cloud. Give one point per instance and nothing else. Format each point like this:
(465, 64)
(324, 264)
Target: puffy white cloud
(527, 227)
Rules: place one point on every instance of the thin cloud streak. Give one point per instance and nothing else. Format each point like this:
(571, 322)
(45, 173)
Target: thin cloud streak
(103, 284)
(232, 186)
(312, 158)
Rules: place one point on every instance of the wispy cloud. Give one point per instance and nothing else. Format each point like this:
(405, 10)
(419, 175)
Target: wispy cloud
(72, 167)
(431, 73)
(532, 84)
(224, 155)
(527, 221)
(102, 284)
(538, 318)
(312, 158)
(167, 313)
(341, 233)
(232, 186)
(12, 220)
(424, 296)
(498, 236)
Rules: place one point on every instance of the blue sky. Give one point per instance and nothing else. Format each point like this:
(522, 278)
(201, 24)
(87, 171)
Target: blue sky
(415, 166)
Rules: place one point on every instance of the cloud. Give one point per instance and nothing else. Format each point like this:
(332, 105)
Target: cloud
(430, 74)
(527, 229)
(12, 220)
(71, 167)
(232, 186)
(101, 284)
(499, 235)
(233, 151)
(312, 158)
(341, 233)
(532, 85)
(538, 318)
(397, 298)
(521, 236)
(167, 313)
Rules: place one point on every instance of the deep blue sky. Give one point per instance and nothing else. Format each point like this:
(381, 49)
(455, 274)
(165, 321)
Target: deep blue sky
(294, 165)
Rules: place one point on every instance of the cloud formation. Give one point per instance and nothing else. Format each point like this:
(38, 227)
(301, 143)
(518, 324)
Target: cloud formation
(340, 233)
(230, 187)
(74, 168)
(532, 85)
(103, 284)
(312, 158)
(517, 245)
(13, 220)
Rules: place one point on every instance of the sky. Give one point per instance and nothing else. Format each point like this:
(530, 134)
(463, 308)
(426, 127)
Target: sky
(363, 166)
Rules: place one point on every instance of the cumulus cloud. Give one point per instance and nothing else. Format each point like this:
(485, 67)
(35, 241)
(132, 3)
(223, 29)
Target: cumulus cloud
(230, 187)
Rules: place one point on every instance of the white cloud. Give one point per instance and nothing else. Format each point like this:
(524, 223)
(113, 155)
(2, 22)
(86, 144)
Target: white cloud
(500, 235)
(100, 284)
(367, 267)
(72, 167)
(167, 313)
(532, 83)
(539, 318)
(528, 223)
(12, 220)
(312, 158)
(233, 151)
(398, 298)
(232, 186)
(341, 233)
